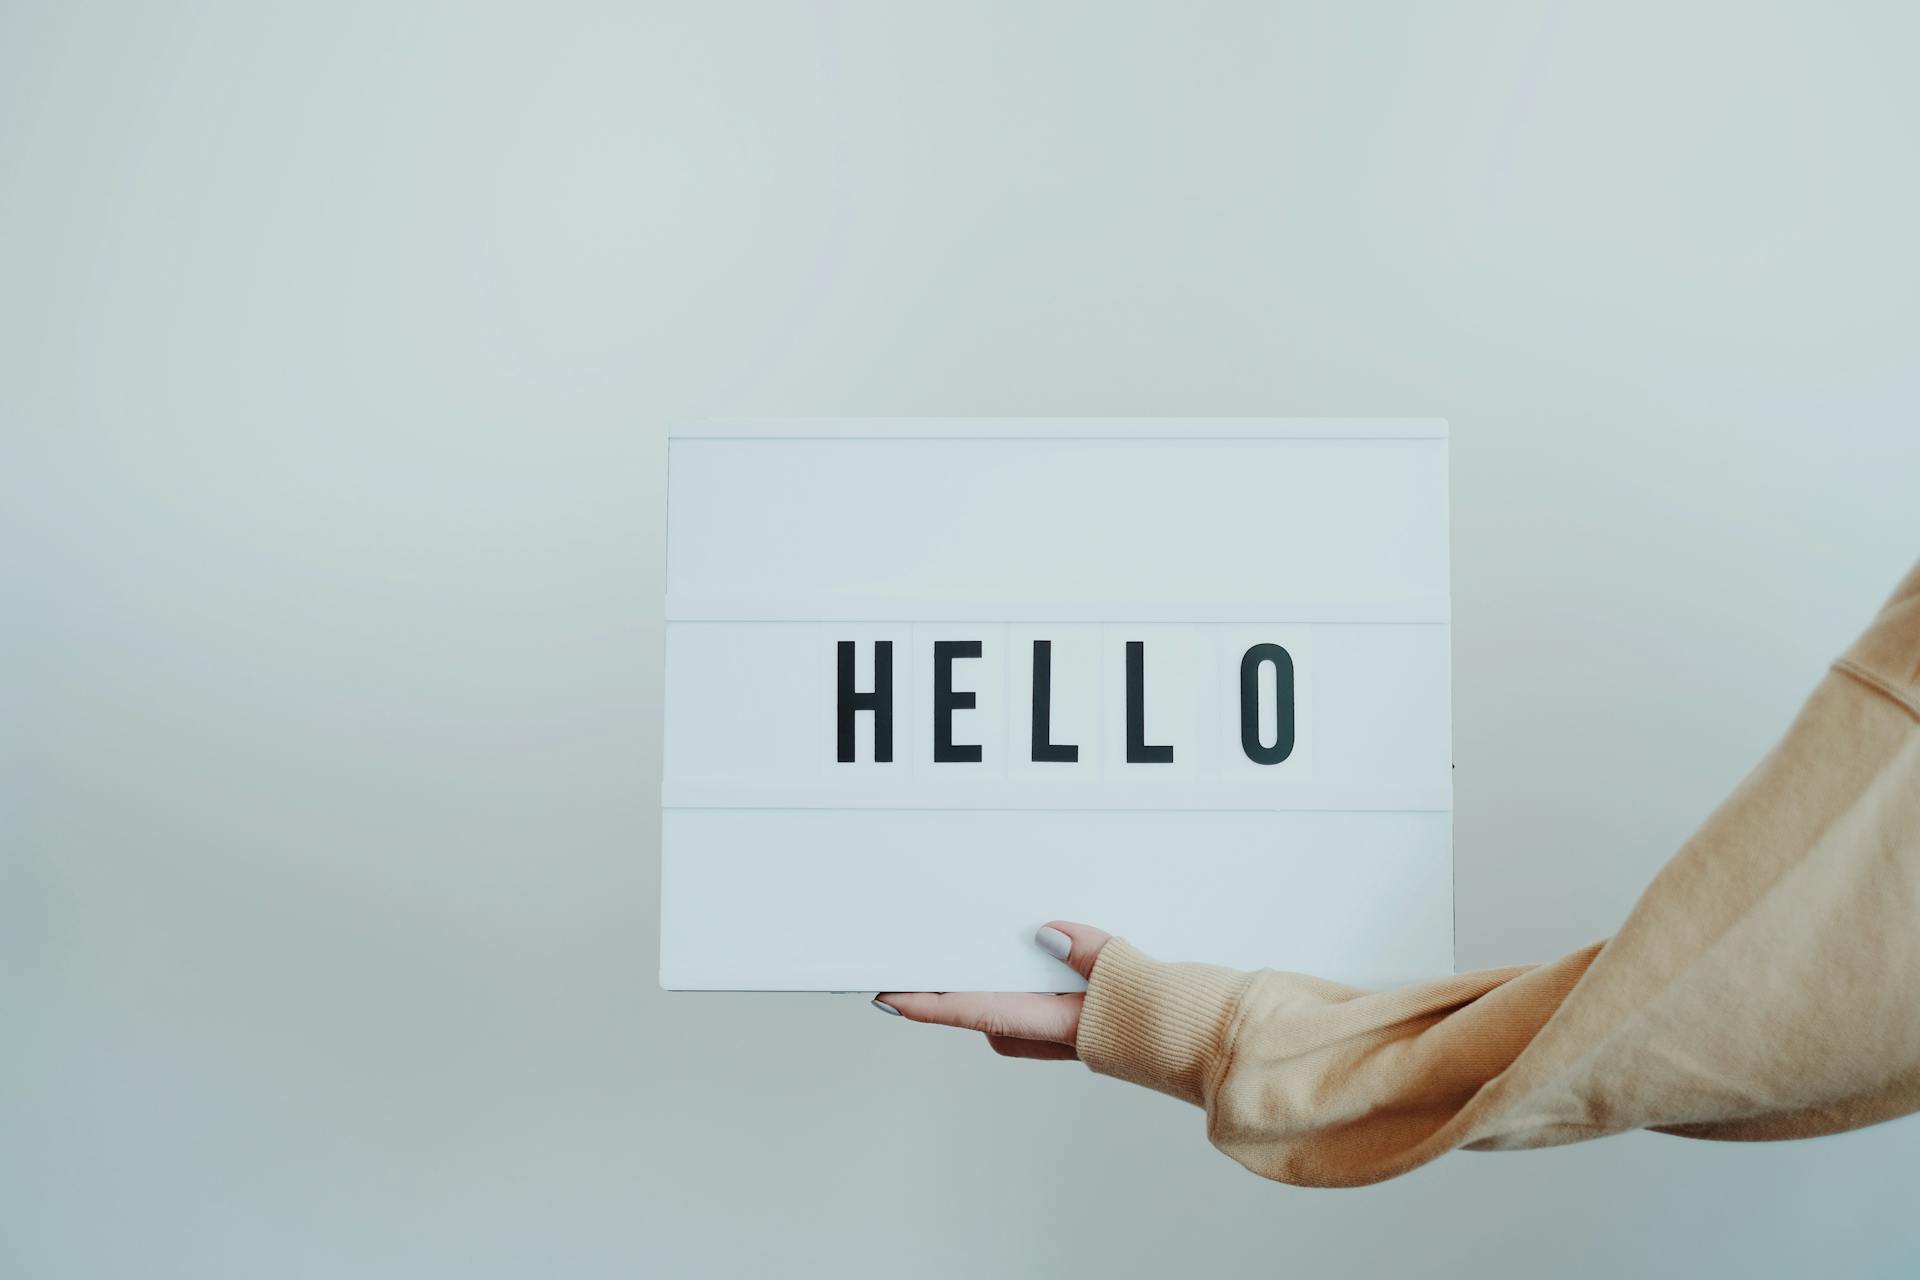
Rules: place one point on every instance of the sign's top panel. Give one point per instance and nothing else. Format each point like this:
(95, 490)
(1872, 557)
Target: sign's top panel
(1066, 428)
(1085, 520)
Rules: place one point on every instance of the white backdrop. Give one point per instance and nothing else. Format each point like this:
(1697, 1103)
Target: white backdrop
(335, 351)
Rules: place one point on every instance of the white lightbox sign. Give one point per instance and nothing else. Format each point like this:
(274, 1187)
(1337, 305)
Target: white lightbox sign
(933, 682)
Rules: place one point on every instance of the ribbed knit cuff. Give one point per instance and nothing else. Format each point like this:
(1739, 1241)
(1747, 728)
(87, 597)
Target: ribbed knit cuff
(1160, 1025)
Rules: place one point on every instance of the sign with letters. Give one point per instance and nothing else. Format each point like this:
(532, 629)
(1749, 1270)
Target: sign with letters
(933, 682)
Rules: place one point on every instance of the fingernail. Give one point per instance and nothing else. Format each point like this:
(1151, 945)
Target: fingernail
(884, 1007)
(1053, 942)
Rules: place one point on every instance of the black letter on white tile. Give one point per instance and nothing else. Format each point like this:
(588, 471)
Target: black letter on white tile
(880, 701)
(1043, 747)
(1138, 752)
(946, 701)
(1250, 704)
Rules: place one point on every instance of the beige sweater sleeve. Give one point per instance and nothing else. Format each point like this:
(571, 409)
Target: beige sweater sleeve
(1766, 985)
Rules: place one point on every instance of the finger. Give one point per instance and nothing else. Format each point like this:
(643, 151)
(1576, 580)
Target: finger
(1019, 1014)
(1044, 1050)
(1076, 944)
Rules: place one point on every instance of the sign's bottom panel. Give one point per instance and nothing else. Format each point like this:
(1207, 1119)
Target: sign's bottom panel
(947, 900)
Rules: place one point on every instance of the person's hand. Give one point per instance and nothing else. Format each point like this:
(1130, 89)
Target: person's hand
(1018, 1024)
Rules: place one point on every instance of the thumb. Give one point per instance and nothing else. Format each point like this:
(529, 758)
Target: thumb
(1078, 945)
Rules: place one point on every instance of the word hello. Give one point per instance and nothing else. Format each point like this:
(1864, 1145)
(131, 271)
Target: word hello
(878, 702)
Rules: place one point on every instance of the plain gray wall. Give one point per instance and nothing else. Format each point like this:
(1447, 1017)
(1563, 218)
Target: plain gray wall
(337, 343)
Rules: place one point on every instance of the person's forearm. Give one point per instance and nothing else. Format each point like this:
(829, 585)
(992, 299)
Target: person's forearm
(1766, 985)
(1309, 1081)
